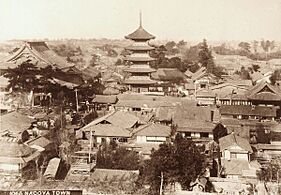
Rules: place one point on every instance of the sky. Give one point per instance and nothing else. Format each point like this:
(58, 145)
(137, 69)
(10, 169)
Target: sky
(191, 20)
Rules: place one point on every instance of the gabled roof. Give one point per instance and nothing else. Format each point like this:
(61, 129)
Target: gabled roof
(232, 140)
(40, 52)
(123, 119)
(168, 74)
(152, 129)
(264, 91)
(116, 118)
(105, 99)
(109, 130)
(140, 34)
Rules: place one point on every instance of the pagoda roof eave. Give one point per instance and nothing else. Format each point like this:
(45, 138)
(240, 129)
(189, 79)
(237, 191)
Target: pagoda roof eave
(139, 59)
(139, 48)
(141, 70)
(140, 34)
(140, 82)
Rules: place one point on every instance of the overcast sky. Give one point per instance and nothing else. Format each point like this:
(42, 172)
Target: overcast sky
(166, 19)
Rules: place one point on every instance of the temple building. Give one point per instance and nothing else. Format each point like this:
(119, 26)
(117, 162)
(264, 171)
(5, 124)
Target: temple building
(139, 80)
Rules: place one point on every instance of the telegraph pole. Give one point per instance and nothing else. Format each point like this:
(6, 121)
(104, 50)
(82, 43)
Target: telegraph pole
(161, 184)
(76, 98)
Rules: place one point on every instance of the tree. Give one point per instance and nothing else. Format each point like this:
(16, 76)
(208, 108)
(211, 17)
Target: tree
(275, 76)
(192, 54)
(111, 156)
(23, 77)
(181, 44)
(245, 46)
(179, 162)
(205, 57)
(271, 171)
(255, 46)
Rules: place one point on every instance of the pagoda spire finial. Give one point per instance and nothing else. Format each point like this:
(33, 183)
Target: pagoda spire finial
(140, 19)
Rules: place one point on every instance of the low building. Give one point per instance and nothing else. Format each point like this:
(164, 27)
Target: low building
(202, 79)
(17, 160)
(114, 126)
(249, 112)
(164, 115)
(235, 157)
(107, 132)
(151, 133)
(226, 89)
(195, 121)
(144, 103)
(235, 147)
(205, 97)
(104, 101)
(15, 125)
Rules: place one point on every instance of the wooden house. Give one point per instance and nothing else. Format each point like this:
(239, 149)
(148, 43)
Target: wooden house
(235, 157)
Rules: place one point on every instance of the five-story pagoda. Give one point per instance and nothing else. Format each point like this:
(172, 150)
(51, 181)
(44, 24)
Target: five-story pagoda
(139, 78)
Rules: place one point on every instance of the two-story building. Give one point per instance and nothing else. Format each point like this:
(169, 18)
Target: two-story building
(236, 157)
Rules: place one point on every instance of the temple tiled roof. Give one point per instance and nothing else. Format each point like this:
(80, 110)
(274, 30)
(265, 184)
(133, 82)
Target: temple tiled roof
(265, 91)
(140, 34)
(37, 51)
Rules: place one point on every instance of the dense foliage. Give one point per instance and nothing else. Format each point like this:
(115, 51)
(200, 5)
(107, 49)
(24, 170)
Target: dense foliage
(257, 50)
(110, 156)
(179, 162)
(206, 59)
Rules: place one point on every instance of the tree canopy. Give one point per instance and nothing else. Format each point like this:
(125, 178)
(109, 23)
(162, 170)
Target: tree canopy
(206, 59)
(180, 162)
(110, 156)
